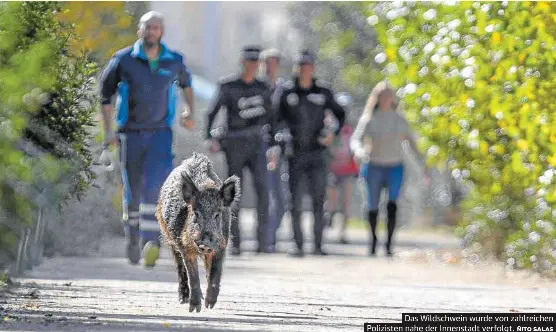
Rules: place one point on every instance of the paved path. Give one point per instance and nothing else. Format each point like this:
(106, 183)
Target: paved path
(269, 292)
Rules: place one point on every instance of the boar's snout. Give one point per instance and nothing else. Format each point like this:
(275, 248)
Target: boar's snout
(204, 249)
(206, 243)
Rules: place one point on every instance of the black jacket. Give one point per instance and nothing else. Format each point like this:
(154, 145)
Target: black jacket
(303, 112)
(249, 106)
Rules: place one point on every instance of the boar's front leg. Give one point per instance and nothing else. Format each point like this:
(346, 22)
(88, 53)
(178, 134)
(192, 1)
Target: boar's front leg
(183, 289)
(227, 218)
(215, 274)
(195, 294)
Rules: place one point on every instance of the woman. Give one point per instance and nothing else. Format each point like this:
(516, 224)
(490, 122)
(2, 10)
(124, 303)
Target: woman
(382, 165)
(342, 170)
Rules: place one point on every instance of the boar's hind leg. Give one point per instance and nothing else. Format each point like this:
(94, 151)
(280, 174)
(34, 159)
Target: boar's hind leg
(215, 274)
(195, 294)
(183, 289)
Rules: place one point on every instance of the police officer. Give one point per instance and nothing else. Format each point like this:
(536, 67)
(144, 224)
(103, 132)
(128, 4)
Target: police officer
(248, 105)
(270, 65)
(277, 175)
(145, 77)
(301, 104)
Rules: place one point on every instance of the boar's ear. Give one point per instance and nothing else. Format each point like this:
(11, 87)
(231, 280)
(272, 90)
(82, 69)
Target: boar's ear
(231, 190)
(188, 188)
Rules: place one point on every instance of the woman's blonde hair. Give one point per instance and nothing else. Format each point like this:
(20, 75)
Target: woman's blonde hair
(372, 100)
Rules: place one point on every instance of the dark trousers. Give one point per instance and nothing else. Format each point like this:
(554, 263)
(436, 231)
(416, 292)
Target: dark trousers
(311, 166)
(278, 194)
(246, 152)
(146, 161)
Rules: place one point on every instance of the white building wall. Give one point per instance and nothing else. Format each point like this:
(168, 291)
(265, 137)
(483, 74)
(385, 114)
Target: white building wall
(212, 33)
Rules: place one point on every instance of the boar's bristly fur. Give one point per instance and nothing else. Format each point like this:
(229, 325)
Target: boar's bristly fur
(194, 211)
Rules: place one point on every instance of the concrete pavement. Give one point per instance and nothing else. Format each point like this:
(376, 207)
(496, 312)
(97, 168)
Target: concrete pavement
(269, 292)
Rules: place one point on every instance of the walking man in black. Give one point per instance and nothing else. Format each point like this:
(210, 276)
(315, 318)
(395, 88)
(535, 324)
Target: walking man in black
(277, 173)
(248, 105)
(301, 104)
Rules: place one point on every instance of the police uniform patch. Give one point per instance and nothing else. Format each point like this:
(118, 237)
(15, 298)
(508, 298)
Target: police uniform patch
(292, 99)
(252, 112)
(256, 100)
(246, 102)
(242, 103)
(316, 98)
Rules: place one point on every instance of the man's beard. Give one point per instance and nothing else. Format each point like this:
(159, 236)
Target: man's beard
(149, 44)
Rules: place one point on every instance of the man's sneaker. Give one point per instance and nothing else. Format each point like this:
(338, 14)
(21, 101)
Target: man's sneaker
(133, 252)
(295, 252)
(151, 252)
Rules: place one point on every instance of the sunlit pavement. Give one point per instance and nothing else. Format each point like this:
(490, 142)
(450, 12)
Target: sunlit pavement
(269, 292)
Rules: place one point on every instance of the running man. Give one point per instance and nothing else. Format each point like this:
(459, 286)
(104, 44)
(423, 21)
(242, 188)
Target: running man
(146, 77)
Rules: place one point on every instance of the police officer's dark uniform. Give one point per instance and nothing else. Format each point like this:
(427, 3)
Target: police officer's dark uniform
(248, 121)
(303, 111)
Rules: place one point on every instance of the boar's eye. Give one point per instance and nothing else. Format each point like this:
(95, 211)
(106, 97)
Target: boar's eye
(197, 216)
(216, 215)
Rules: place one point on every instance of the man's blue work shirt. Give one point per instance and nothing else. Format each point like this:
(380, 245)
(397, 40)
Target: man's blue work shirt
(146, 99)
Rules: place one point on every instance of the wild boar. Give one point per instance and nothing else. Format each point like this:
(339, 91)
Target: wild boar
(194, 211)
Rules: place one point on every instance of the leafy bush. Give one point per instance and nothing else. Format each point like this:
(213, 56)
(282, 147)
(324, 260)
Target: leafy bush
(478, 80)
(45, 98)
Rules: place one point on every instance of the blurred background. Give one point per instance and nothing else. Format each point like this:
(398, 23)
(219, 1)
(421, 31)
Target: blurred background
(476, 81)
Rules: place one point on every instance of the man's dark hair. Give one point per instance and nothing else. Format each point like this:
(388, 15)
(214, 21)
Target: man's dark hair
(306, 57)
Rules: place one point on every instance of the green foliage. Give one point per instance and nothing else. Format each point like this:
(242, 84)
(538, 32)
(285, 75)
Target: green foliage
(16, 80)
(68, 113)
(344, 42)
(478, 80)
(98, 24)
(45, 98)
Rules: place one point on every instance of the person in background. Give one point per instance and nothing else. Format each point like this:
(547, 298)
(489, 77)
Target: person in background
(270, 68)
(248, 104)
(145, 77)
(343, 169)
(301, 103)
(277, 173)
(382, 165)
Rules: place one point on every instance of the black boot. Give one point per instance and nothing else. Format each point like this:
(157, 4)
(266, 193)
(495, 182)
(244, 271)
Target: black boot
(317, 251)
(373, 220)
(391, 209)
(328, 219)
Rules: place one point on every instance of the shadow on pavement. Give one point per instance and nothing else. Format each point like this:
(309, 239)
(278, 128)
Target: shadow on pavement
(66, 320)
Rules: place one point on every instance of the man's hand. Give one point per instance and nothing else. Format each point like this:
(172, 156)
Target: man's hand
(110, 138)
(112, 142)
(327, 141)
(361, 156)
(212, 145)
(187, 114)
(186, 120)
